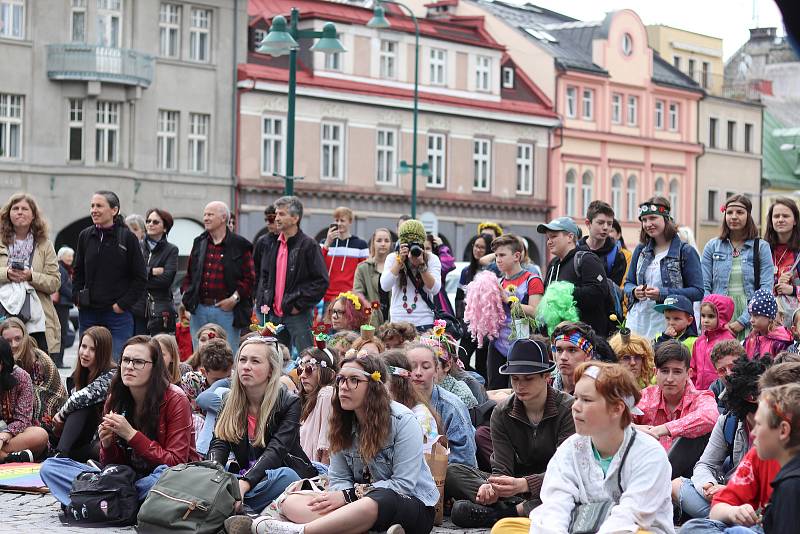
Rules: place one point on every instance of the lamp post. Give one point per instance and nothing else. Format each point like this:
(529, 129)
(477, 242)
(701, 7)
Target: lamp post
(282, 40)
(378, 21)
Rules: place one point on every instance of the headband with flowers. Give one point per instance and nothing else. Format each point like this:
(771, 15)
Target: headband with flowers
(352, 297)
(399, 371)
(321, 363)
(375, 375)
(654, 209)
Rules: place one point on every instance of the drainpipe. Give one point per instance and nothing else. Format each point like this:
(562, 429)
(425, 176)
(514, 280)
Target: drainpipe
(235, 117)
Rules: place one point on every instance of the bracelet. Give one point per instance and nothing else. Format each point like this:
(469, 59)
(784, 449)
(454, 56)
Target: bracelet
(350, 495)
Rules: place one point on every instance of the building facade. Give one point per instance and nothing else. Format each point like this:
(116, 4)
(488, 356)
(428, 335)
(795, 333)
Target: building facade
(696, 55)
(484, 127)
(135, 96)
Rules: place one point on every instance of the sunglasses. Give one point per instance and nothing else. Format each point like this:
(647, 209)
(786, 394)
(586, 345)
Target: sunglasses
(307, 368)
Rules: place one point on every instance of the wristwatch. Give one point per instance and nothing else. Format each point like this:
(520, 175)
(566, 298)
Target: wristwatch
(236, 297)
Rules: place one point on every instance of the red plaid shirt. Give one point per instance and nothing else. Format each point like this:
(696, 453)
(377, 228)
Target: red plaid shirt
(213, 279)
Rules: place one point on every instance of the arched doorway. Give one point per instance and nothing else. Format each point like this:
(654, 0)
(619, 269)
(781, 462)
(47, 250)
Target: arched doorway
(68, 236)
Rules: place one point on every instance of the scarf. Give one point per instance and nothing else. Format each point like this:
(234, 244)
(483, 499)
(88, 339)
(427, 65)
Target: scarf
(21, 249)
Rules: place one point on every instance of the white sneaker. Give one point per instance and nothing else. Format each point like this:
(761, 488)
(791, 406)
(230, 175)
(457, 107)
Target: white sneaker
(265, 525)
(396, 529)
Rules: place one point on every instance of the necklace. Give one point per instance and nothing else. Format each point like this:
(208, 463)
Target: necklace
(406, 307)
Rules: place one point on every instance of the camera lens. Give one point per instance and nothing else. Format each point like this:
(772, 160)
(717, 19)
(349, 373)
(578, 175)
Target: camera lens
(415, 250)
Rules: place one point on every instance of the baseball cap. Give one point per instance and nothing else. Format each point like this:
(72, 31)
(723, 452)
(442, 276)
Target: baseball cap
(676, 302)
(560, 224)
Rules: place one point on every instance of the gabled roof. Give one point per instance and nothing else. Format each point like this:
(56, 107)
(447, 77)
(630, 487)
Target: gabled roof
(464, 30)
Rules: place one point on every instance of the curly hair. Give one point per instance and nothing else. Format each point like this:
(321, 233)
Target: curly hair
(39, 227)
(341, 342)
(741, 393)
(636, 346)
(403, 329)
(485, 311)
(353, 317)
(219, 332)
(327, 374)
(374, 430)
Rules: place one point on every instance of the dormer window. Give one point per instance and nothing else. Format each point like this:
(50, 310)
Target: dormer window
(627, 44)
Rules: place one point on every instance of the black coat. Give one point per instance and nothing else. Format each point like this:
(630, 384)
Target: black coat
(283, 444)
(65, 290)
(783, 515)
(620, 265)
(259, 252)
(112, 268)
(590, 289)
(306, 274)
(164, 255)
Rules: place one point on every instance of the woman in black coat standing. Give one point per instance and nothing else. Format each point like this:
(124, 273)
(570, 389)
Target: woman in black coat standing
(154, 313)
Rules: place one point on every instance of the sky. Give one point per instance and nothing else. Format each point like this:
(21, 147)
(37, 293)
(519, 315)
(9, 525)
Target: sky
(727, 19)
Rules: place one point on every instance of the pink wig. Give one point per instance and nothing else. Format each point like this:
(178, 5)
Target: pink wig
(484, 313)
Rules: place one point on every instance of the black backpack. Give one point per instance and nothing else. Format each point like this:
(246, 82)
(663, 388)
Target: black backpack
(612, 293)
(108, 497)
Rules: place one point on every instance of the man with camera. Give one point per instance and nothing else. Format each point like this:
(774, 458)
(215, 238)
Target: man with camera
(413, 276)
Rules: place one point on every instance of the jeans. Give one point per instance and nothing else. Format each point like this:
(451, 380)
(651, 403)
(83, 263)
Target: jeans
(212, 314)
(296, 329)
(59, 473)
(270, 487)
(691, 502)
(120, 325)
(710, 526)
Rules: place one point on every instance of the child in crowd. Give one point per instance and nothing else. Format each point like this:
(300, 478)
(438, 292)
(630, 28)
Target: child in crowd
(767, 336)
(723, 356)
(169, 349)
(636, 353)
(183, 334)
(207, 331)
(679, 315)
(395, 334)
(715, 313)
(795, 347)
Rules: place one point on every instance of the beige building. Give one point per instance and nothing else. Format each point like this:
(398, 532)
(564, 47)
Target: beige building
(696, 55)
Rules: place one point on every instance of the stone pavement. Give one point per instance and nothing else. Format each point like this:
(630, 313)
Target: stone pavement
(23, 513)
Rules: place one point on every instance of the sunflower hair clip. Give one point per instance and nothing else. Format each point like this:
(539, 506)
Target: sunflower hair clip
(376, 376)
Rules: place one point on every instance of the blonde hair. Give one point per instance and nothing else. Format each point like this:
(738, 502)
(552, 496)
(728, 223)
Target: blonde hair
(638, 346)
(168, 344)
(232, 420)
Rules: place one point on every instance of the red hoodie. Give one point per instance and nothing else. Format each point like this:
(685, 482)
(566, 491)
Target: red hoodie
(703, 370)
(771, 343)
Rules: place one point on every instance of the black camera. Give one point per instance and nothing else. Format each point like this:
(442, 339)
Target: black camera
(414, 249)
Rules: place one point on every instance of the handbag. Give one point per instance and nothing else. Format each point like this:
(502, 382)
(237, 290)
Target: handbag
(24, 313)
(161, 316)
(108, 497)
(588, 518)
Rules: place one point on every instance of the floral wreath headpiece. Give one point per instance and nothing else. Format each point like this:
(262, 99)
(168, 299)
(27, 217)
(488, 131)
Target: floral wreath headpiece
(321, 338)
(375, 375)
(352, 297)
(654, 209)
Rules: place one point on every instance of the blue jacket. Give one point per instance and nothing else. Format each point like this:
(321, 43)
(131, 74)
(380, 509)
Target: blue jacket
(459, 430)
(399, 466)
(680, 271)
(717, 264)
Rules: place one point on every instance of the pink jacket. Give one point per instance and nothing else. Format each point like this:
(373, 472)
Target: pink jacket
(703, 371)
(772, 343)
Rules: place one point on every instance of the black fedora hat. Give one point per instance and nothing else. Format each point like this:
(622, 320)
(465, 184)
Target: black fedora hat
(528, 357)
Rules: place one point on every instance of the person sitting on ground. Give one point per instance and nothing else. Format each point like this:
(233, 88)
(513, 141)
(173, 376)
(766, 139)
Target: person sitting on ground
(679, 317)
(446, 370)
(768, 336)
(366, 343)
(729, 442)
(786, 356)
(572, 344)
(715, 313)
(607, 459)
(49, 393)
(20, 440)
(396, 334)
(637, 354)
(147, 424)
(77, 421)
(378, 476)
(204, 334)
(526, 430)
(348, 311)
(169, 349)
(317, 371)
(723, 356)
(452, 365)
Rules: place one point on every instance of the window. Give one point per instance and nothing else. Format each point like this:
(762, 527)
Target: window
(674, 198)
(106, 135)
(508, 78)
(631, 197)
(200, 36)
(633, 104)
(572, 102)
(167, 141)
(258, 37)
(616, 194)
(525, 168)
(748, 137)
(659, 115)
(271, 146)
(438, 66)
(712, 207)
(483, 69)
(691, 69)
(587, 190)
(333, 61)
(712, 133)
(169, 22)
(75, 129)
(569, 192)
(332, 151)
(386, 147)
(676, 62)
(659, 186)
(198, 142)
(10, 126)
(731, 135)
(705, 75)
(627, 44)
(109, 23)
(673, 117)
(616, 108)
(588, 104)
(437, 146)
(12, 19)
(481, 160)
(388, 59)
(78, 21)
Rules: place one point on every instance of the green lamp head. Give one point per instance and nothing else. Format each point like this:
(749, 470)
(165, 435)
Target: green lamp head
(278, 41)
(329, 43)
(378, 20)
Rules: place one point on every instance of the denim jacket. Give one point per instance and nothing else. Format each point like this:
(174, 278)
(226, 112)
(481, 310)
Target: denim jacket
(399, 466)
(717, 264)
(460, 432)
(680, 271)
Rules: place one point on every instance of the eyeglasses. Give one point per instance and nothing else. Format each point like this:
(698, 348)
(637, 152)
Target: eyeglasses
(136, 363)
(336, 313)
(152, 221)
(351, 381)
(632, 358)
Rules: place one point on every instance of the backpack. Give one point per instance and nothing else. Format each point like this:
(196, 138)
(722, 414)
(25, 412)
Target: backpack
(729, 433)
(613, 297)
(108, 497)
(195, 497)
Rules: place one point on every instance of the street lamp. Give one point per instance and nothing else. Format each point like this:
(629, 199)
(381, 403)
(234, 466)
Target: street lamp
(282, 40)
(379, 21)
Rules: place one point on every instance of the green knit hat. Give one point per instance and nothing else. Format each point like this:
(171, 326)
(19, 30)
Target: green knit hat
(411, 231)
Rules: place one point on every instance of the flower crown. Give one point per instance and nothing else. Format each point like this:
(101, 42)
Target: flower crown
(321, 363)
(352, 297)
(654, 209)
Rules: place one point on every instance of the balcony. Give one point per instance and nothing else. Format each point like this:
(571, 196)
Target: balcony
(91, 63)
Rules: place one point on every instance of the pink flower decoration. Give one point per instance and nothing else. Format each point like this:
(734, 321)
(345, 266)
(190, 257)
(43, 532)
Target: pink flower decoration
(265, 309)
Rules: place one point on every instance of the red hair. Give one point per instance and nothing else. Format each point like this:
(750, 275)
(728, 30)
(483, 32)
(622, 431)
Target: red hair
(354, 318)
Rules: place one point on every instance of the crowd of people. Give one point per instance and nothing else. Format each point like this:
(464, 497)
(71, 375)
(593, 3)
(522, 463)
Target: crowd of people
(656, 390)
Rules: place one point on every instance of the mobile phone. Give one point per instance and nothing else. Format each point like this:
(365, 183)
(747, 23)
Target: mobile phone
(17, 265)
(334, 226)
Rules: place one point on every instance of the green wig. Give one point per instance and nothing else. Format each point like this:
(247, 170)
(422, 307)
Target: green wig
(557, 305)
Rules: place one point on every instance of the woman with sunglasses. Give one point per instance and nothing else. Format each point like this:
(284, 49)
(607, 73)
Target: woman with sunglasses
(636, 353)
(154, 312)
(147, 424)
(260, 424)
(379, 480)
(317, 372)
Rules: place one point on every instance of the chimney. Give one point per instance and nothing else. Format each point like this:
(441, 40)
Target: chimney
(757, 34)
